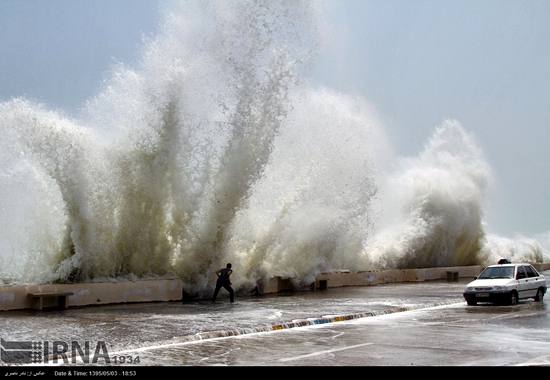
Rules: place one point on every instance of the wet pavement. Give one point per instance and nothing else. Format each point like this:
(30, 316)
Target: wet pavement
(167, 333)
(456, 335)
(450, 335)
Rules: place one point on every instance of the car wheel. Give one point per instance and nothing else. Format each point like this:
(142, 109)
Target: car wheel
(513, 298)
(539, 296)
(471, 302)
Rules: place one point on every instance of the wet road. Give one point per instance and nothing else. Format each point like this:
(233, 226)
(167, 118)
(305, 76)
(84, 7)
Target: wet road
(448, 335)
(454, 335)
(166, 333)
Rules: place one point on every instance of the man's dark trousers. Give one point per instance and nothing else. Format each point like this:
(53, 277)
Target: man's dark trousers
(226, 286)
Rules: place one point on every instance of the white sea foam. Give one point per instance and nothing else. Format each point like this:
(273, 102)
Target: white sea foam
(434, 205)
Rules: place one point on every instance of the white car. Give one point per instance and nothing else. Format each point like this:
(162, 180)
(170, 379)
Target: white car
(506, 283)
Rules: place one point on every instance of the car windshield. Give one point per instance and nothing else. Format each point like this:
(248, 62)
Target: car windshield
(497, 272)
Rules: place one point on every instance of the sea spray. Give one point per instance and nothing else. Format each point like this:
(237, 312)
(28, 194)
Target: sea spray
(32, 219)
(53, 144)
(153, 176)
(518, 249)
(215, 149)
(313, 208)
(435, 205)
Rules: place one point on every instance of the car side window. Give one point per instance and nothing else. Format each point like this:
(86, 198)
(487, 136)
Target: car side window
(531, 272)
(521, 273)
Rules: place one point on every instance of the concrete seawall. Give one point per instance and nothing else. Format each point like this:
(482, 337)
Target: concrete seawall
(18, 297)
(369, 278)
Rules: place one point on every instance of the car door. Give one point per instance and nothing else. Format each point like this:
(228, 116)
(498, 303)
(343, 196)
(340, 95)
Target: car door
(523, 282)
(534, 282)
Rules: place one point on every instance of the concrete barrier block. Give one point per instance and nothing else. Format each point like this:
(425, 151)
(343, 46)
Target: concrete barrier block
(277, 284)
(284, 284)
(321, 285)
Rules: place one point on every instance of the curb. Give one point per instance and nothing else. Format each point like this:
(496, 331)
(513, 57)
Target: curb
(317, 321)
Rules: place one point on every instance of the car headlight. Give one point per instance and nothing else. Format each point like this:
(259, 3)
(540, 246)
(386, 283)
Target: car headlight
(497, 288)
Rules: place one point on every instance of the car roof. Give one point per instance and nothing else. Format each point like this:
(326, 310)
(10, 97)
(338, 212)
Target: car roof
(508, 265)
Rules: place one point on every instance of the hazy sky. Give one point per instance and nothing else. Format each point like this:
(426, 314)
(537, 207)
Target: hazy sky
(485, 63)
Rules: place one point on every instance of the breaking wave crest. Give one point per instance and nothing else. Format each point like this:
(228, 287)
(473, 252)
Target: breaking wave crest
(435, 205)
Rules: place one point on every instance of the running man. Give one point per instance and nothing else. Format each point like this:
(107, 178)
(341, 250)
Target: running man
(224, 282)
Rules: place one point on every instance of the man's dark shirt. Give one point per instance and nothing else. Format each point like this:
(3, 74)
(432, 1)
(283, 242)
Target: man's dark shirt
(224, 275)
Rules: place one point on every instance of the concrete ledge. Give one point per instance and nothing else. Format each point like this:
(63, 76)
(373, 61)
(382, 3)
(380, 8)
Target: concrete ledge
(369, 278)
(336, 280)
(18, 297)
(542, 267)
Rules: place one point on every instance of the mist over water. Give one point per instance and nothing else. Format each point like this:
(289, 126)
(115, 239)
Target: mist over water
(216, 149)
